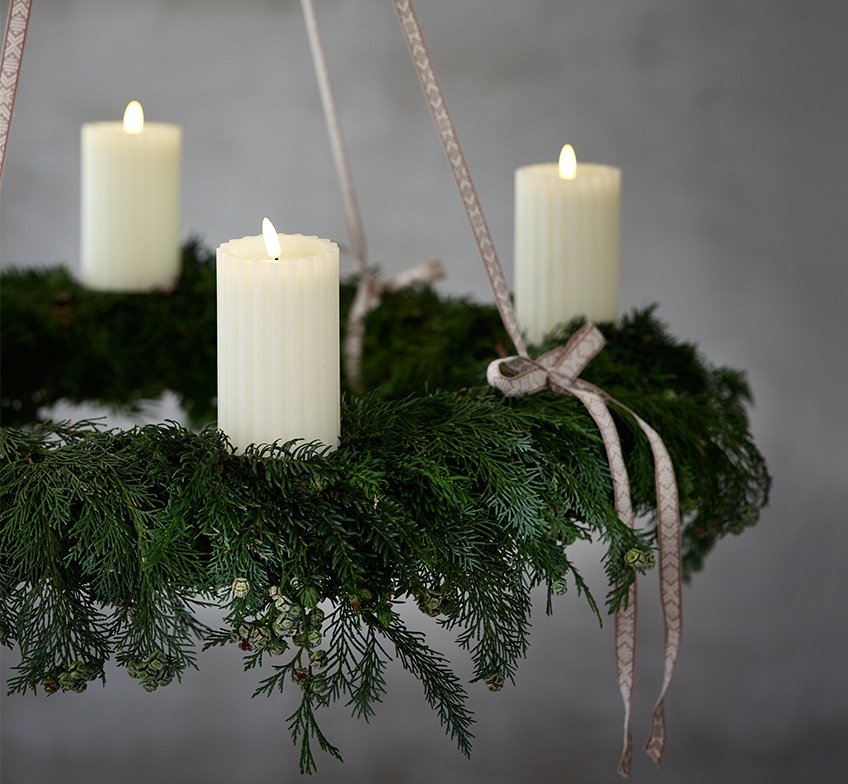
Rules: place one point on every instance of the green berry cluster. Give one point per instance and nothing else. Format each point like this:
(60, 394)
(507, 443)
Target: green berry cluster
(284, 620)
(313, 683)
(563, 533)
(153, 671)
(495, 681)
(559, 586)
(380, 605)
(74, 678)
(640, 560)
(240, 587)
(307, 632)
(433, 603)
(257, 637)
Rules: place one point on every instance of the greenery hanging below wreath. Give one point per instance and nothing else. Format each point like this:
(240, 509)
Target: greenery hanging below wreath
(442, 492)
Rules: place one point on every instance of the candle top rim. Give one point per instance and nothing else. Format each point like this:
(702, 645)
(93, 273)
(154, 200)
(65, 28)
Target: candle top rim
(118, 125)
(293, 246)
(584, 170)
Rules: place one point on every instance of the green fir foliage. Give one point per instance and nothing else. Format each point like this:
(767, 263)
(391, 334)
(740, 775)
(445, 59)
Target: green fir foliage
(442, 493)
(60, 340)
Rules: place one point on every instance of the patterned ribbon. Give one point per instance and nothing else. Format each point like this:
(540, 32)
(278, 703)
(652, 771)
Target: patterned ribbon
(10, 68)
(560, 370)
(370, 290)
(438, 108)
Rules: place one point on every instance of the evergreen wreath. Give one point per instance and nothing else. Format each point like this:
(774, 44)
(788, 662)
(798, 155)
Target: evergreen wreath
(442, 492)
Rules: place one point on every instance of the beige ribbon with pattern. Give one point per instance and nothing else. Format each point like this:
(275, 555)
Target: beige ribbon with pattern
(559, 370)
(370, 290)
(14, 39)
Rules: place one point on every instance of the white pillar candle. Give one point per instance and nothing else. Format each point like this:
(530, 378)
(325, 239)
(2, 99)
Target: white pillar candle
(278, 340)
(130, 217)
(566, 243)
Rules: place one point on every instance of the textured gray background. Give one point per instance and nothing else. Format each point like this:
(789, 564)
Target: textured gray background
(729, 121)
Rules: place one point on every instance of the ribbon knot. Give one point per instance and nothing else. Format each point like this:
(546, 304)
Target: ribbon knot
(558, 369)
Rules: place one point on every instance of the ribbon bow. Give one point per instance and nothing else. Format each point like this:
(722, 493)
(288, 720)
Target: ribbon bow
(559, 370)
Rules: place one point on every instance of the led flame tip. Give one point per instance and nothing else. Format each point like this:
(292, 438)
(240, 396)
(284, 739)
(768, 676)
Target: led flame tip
(567, 163)
(272, 241)
(134, 117)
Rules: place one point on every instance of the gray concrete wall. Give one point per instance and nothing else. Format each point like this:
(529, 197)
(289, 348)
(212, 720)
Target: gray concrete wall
(729, 122)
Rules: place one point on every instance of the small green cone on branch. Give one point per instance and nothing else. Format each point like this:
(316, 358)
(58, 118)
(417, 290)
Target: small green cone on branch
(494, 682)
(640, 560)
(240, 588)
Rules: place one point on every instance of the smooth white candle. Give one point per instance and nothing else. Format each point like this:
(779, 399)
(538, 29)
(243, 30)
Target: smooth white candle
(130, 216)
(566, 245)
(278, 340)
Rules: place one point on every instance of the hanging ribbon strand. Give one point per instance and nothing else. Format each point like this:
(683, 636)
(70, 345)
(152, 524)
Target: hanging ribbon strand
(439, 110)
(14, 40)
(559, 370)
(355, 231)
(370, 290)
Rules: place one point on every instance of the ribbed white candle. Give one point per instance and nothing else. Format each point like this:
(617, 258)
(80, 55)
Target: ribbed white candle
(278, 341)
(130, 206)
(566, 246)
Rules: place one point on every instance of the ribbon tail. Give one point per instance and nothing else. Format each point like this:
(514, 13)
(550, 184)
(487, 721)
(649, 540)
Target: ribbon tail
(655, 745)
(671, 591)
(625, 664)
(625, 617)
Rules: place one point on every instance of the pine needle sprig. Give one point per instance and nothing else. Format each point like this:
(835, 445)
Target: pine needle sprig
(442, 687)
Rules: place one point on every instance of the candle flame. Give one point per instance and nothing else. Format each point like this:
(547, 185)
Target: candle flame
(272, 241)
(134, 117)
(567, 163)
